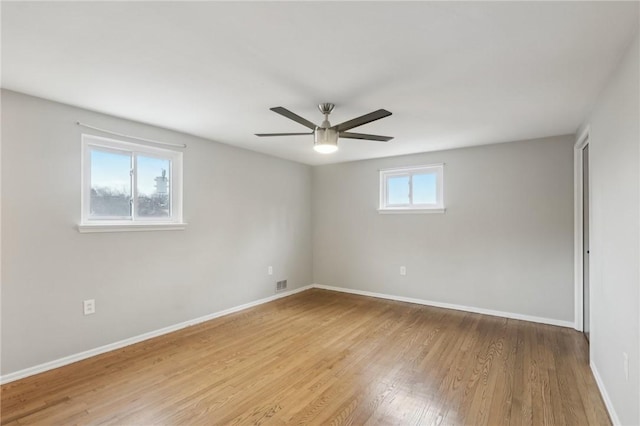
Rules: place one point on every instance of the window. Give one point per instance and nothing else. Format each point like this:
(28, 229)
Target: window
(412, 189)
(127, 186)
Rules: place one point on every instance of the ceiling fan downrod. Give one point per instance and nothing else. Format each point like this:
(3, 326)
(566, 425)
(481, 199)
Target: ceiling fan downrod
(326, 109)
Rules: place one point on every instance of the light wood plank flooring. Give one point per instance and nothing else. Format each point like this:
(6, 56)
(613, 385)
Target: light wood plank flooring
(322, 357)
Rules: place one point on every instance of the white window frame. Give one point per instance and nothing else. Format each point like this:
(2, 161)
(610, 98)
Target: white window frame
(385, 174)
(133, 223)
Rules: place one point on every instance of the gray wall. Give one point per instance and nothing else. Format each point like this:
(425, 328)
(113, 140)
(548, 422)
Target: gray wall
(505, 242)
(245, 211)
(614, 153)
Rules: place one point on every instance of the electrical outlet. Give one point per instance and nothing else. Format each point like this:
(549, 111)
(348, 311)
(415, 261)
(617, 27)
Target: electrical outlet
(270, 270)
(89, 306)
(403, 270)
(625, 362)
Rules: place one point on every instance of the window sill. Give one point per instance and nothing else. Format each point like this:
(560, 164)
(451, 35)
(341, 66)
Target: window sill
(131, 227)
(410, 211)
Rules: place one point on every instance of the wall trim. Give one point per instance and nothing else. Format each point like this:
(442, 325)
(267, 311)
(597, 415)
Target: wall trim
(41, 368)
(541, 320)
(605, 396)
(581, 141)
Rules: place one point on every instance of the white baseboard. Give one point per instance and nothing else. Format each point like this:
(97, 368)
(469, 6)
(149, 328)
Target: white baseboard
(10, 377)
(605, 396)
(41, 368)
(550, 321)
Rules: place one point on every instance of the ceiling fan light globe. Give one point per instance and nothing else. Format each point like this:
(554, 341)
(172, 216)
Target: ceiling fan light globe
(325, 148)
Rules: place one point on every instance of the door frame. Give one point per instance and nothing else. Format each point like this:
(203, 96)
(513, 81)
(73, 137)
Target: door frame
(581, 142)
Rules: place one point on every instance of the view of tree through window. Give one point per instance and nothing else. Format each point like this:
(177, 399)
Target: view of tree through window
(111, 186)
(153, 187)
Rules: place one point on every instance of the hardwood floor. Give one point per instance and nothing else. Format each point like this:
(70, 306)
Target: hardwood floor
(321, 357)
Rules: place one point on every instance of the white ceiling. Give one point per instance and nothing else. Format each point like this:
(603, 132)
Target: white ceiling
(453, 74)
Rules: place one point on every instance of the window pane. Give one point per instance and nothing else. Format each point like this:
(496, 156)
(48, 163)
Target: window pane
(153, 187)
(424, 188)
(398, 190)
(110, 184)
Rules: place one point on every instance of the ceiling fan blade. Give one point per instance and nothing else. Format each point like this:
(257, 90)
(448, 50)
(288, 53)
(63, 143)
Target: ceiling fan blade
(282, 134)
(295, 117)
(364, 119)
(349, 135)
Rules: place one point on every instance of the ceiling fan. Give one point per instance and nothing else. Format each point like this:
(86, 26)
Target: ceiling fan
(325, 135)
